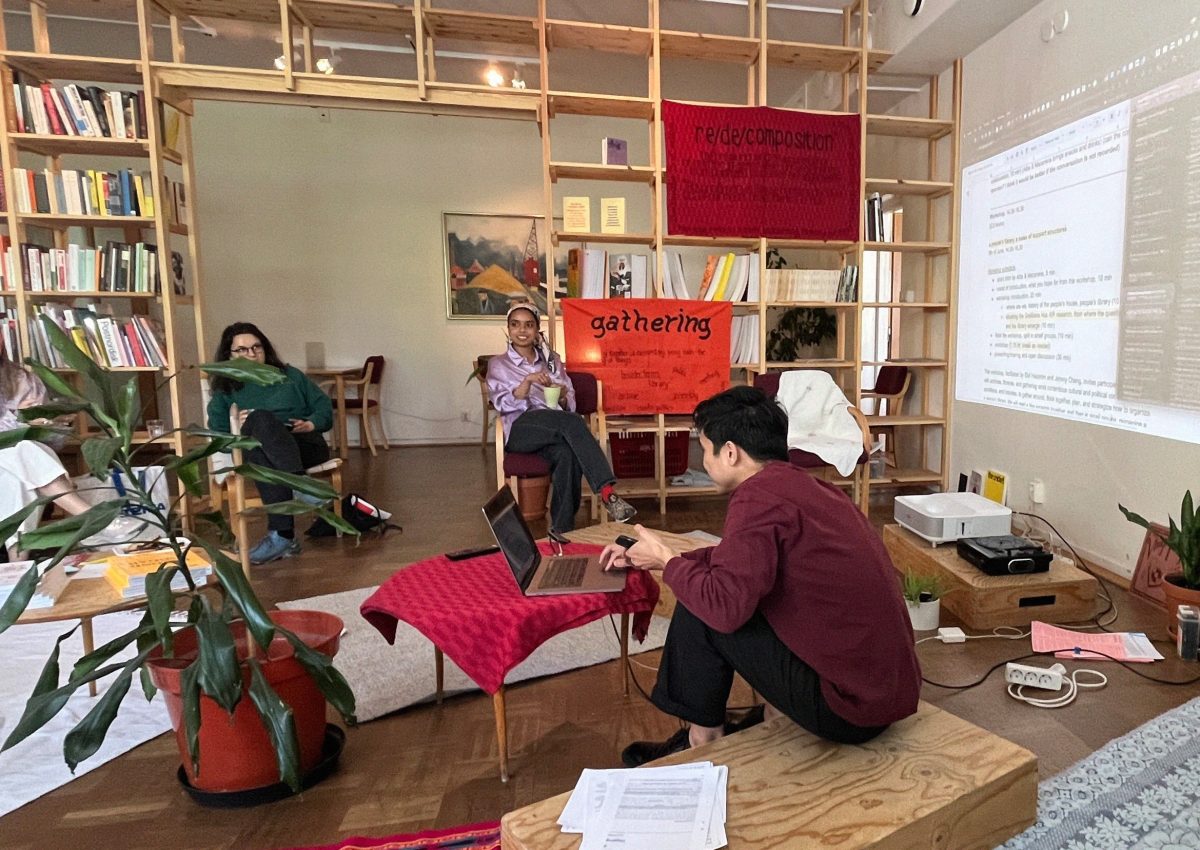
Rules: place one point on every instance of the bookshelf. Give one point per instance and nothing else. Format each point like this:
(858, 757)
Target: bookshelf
(88, 134)
(762, 48)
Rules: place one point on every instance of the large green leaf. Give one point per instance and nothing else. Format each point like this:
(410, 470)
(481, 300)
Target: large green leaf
(55, 382)
(219, 672)
(10, 438)
(338, 522)
(100, 655)
(331, 682)
(51, 409)
(42, 708)
(88, 734)
(215, 444)
(161, 601)
(98, 380)
(129, 408)
(245, 371)
(302, 483)
(148, 688)
(280, 725)
(48, 678)
(240, 594)
(10, 524)
(98, 452)
(18, 599)
(218, 524)
(69, 531)
(190, 697)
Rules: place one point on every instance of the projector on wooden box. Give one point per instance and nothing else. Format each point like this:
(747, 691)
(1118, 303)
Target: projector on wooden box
(945, 517)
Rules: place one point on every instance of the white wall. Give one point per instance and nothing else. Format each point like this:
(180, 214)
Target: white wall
(1087, 469)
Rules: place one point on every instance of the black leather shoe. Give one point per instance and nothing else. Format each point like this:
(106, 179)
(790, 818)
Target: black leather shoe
(640, 752)
(753, 717)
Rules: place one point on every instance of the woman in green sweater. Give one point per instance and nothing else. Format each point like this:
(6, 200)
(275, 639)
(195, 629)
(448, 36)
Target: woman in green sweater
(287, 419)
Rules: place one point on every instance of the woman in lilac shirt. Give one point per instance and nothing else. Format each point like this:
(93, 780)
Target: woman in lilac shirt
(517, 381)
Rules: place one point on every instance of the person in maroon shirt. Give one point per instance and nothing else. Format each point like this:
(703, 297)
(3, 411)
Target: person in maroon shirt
(799, 597)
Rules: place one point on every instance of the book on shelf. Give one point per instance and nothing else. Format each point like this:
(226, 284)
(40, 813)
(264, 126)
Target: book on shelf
(612, 215)
(847, 289)
(726, 277)
(614, 151)
(111, 341)
(115, 267)
(75, 110)
(743, 339)
(577, 214)
(873, 209)
(83, 192)
(172, 120)
(629, 276)
(10, 337)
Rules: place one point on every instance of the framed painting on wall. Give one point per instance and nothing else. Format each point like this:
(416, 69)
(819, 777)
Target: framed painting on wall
(493, 260)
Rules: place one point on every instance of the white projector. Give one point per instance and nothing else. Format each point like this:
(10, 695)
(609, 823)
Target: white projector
(945, 517)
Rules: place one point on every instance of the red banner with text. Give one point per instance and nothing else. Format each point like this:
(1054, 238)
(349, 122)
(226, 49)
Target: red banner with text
(653, 355)
(752, 171)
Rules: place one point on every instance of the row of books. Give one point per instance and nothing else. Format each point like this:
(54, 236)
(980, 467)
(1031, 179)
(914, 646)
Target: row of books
(76, 192)
(591, 273)
(77, 110)
(809, 284)
(50, 587)
(127, 574)
(743, 339)
(116, 267)
(727, 277)
(113, 342)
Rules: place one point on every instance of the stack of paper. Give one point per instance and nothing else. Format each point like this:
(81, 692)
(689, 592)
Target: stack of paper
(49, 588)
(681, 807)
(127, 573)
(1113, 646)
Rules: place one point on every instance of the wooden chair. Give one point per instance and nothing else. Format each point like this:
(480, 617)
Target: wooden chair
(861, 478)
(367, 403)
(513, 467)
(891, 386)
(226, 485)
(480, 375)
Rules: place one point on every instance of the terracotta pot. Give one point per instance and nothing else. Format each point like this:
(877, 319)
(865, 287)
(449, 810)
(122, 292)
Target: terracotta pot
(1175, 594)
(532, 495)
(236, 753)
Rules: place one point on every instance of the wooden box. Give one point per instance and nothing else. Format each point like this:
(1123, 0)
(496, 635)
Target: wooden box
(931, 780)
(1065, 594)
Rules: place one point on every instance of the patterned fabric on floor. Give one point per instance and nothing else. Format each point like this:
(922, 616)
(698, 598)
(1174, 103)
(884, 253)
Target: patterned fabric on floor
(480, 836)
(1138, 792)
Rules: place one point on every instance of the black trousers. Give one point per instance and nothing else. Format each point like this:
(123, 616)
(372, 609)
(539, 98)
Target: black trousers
(281, 449)
(697, 667)
(563, 439)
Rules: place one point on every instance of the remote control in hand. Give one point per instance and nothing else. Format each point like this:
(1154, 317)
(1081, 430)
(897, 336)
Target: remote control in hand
(625, 541)
(473, 552)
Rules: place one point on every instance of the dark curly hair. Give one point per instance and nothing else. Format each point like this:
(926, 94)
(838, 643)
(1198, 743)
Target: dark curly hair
(224, 352)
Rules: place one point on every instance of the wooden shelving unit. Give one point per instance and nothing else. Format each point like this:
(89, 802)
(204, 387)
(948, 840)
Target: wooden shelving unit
(763, 46)
(53, 153)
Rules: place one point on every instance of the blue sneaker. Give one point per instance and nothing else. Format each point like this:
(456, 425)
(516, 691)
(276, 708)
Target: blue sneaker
(273, 547)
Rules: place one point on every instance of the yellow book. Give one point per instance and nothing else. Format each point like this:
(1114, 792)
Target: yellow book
(141, 197)
(995, 486)
(724, 281)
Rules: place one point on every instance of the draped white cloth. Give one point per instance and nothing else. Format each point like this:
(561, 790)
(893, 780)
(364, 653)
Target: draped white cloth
(819, 418)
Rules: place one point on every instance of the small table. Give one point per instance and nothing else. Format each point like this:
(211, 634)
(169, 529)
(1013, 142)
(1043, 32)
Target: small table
(339, 375)
(474, 610)
(83, 599)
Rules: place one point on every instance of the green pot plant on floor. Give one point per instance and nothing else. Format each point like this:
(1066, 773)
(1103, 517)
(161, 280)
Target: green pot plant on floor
(235, 668)
(922, 597)
(1182, 588)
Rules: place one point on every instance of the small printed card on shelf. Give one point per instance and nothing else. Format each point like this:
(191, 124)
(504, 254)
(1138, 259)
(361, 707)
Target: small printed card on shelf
(612, 215)
(577, 214)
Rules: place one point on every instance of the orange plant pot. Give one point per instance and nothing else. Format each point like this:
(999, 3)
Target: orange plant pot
(235, 751)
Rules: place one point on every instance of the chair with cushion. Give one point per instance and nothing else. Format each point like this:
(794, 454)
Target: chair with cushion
(368, 401)
(518, 467)
(891, 386)
(226, 485)
(769, 384)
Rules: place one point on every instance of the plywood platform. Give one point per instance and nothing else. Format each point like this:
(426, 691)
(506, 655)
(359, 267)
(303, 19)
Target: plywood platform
(1065, 594)
(931, 780)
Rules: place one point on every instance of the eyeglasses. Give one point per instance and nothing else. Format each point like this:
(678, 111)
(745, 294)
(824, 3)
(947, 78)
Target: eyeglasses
(249, 349)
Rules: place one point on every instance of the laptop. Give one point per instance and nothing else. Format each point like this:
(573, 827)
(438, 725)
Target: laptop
(538, 576)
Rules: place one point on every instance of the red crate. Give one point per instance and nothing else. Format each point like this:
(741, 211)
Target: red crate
(633, 454)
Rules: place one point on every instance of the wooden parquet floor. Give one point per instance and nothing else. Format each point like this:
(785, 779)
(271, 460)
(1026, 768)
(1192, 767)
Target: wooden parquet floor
(436, 766)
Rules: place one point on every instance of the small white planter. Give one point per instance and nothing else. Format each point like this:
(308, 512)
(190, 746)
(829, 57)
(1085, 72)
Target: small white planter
(924, 615)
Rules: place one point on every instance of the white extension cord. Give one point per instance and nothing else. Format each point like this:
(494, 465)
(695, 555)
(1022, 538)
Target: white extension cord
(1057, 673)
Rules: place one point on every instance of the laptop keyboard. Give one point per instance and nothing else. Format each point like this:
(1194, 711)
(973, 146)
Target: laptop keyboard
(564, 572)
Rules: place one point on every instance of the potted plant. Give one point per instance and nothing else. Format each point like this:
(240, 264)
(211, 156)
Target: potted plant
(232, 658)
(1183, 587)
(798, 328)
(922, 597)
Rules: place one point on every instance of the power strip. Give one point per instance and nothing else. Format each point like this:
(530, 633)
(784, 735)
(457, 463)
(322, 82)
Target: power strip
(1035, 677)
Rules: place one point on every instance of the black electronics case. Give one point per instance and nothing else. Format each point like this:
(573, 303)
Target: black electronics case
(1004, 555)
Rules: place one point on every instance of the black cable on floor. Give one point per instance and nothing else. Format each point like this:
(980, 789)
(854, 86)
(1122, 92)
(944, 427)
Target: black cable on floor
(1081, 564)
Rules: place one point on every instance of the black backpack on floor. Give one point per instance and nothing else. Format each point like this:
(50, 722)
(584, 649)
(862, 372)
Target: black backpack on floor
(361, 514)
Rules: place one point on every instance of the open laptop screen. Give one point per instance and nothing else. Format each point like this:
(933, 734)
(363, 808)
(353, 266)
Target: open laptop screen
(512, 535)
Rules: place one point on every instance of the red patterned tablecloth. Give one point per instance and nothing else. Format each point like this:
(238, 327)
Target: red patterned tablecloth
(475, 613)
